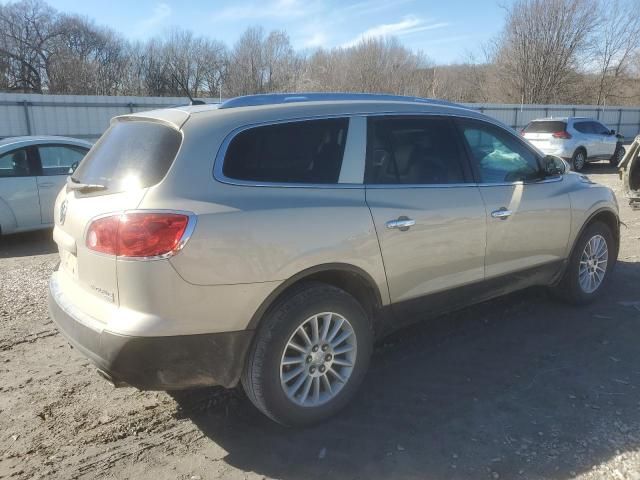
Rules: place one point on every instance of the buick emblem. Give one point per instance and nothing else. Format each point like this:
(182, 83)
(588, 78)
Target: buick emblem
(63, 212)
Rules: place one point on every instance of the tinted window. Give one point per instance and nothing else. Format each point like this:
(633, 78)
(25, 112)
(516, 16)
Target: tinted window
(499, 156)
(130, 154)
(600, 129)
(15, 164)
(413, 151)
(58, 159)
(545, 127)
(582, 127)
(295, 152)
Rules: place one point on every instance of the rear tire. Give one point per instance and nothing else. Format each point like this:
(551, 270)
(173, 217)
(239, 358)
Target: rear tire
(579, 159)
(590, 265)
(306, 318)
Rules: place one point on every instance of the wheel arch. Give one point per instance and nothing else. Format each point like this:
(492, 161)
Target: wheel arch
(352, 279)
(606, 216)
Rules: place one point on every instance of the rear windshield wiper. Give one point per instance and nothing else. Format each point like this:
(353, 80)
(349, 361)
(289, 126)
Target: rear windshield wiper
(73, 184)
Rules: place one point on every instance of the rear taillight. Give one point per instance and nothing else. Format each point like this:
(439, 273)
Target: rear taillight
(137, 234)
(561, 134)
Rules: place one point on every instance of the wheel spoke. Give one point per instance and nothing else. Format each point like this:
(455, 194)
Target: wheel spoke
(344, 363)
(292, 360)
(305, 336)
(343, 349)
(337, 375)
(297, 347)
(325, 326)
(343, 336)
(286, 378)
(315, 334)
(336, 328)
(296, 386)
(306, 389)
(327, 384)
(316, 389)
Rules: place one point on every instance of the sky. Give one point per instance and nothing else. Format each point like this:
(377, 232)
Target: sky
(446, 31)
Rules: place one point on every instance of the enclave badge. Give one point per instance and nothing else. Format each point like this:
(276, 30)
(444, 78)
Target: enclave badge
(63, 212)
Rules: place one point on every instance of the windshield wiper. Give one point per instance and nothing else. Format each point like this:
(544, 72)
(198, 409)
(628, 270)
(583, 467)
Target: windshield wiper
(73, 184)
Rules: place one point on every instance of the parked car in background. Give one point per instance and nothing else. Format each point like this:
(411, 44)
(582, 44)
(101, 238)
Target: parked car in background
(578, 140)
(32, 172)
(268, 240)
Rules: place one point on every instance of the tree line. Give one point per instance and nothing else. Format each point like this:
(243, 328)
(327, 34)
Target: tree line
(549, 51)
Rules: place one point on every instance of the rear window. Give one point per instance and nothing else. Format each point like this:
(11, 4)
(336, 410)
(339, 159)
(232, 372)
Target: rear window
(545, 127)
(130, 154)
(295, 152)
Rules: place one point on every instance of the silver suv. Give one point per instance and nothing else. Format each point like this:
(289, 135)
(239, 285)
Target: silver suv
(578, 140)
(269, 240)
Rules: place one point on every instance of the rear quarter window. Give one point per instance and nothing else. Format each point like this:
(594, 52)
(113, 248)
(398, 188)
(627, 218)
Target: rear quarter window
(545, 127)
(130, 154)
(303, 152)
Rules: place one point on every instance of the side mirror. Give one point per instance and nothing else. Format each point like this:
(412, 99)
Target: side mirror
(554, 166)
(612, 132)
(73, 167)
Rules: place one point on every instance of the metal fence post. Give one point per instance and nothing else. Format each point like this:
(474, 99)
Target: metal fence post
(27, 117)
(130, 105)
(619, 120)
(515, 119)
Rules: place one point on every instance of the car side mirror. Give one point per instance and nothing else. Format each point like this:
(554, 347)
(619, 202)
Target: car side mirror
(554, 166)
(612, 132)
(73, 167)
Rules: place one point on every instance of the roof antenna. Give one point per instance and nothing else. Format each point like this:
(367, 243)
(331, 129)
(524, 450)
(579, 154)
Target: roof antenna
(186, 91)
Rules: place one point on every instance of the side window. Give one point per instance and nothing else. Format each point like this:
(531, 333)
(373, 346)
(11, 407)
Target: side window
(498, 155)
(413, 151)
(582, 127)
(295, 152)
(58, 159)
(600, 129)
(15, 164)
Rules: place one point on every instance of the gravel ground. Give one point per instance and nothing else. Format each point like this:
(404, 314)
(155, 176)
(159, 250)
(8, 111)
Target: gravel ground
(520, 387)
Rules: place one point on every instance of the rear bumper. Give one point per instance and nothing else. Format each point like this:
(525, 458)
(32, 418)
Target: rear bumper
(153, 363)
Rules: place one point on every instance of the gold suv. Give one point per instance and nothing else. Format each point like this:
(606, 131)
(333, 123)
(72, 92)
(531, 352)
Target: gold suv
(270, 239)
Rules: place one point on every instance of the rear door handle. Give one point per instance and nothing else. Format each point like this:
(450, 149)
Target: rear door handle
(45, 184)
(402, 223)
(501, 213)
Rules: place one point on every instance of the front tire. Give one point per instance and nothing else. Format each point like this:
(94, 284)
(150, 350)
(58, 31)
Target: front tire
(309, 356)
(617, 156)
(590, 265)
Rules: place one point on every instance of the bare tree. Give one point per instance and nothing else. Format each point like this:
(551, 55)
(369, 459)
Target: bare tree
(541, 45)
(28, 29)
(616, 39)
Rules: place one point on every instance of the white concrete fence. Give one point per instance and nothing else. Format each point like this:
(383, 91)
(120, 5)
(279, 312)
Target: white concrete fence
(87, 116)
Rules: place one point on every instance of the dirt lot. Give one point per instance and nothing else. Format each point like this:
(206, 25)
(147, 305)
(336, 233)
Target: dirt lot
(521, 387)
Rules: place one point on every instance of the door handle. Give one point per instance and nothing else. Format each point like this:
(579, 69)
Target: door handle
(46, 184)
(501, 213)
(402, 223)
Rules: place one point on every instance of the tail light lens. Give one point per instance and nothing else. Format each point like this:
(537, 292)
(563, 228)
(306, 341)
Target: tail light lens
(562, 134)
(137, 234)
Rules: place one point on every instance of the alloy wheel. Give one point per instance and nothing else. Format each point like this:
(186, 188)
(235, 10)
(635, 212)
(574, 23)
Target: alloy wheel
(318, 359)
(593, 264)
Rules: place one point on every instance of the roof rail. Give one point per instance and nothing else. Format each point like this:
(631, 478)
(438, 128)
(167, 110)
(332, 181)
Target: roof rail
(279, 98)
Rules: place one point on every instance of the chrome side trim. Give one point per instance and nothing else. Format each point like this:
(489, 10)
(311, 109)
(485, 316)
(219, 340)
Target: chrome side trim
(222, 151)
(219, 158)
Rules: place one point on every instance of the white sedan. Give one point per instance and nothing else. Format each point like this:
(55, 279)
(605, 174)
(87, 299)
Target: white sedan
(32, 172)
